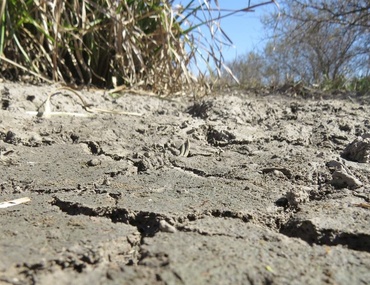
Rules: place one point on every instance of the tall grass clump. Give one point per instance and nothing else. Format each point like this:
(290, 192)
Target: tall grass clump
(143, 44)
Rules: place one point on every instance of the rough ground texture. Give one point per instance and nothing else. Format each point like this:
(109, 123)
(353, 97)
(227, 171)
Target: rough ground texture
(236, 189)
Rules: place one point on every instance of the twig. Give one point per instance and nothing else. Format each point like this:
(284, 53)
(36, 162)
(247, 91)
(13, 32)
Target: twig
(14, 202)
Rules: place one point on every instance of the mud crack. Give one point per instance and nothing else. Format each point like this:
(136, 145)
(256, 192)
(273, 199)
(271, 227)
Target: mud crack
(147, 223)
(307, 231)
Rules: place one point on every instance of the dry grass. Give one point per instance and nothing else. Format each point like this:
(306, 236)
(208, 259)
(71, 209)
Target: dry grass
(141, 44)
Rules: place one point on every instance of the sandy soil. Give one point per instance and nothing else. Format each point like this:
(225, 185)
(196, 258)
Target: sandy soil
(235, 189)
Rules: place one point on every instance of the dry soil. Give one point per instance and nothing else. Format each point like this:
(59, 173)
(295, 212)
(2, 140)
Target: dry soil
(237, 188)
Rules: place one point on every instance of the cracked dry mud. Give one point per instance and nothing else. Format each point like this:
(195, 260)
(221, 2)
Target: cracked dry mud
(237, 189)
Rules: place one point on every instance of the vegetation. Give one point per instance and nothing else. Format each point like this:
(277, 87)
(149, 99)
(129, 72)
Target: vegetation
(319, 43)
(147, 44)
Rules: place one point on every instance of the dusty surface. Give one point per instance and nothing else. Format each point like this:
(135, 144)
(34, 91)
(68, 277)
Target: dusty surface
(241, 189)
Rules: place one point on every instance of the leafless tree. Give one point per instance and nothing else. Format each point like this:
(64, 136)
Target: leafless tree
(316, 40)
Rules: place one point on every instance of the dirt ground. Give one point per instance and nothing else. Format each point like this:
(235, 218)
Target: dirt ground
(235, 189)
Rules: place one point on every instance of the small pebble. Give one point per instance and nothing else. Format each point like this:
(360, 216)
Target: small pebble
(93, 162)
(166, 227)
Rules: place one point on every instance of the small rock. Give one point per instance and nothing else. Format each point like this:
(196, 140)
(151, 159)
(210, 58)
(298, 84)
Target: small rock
(166, 227)
(358, 150)
(278, 173)
(94, 162)
(341, 176)
(342, 179)
(297, 196)
(106, 181)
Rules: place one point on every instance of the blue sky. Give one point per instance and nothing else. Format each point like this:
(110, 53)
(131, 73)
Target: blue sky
(244, 29)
